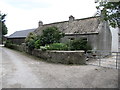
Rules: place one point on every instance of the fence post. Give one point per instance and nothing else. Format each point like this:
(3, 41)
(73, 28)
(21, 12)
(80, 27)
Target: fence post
(100, 59)
(116, 59)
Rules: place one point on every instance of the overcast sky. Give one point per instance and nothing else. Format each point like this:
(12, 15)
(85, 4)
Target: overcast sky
(25, 14)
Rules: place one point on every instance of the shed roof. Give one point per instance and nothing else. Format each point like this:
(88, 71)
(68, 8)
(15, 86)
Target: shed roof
(21, 34)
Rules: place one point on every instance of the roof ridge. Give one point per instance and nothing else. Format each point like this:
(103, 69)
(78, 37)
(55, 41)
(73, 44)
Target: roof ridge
(74, 20)
(26, 29)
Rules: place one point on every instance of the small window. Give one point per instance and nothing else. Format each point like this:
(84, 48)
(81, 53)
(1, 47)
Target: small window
(84, 38)
(72, 38)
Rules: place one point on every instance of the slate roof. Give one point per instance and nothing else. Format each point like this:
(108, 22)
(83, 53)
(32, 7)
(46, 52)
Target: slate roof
(21, 34)
(84, 25)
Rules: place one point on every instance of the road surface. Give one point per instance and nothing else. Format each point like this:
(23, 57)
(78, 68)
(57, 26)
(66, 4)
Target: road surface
(20, 70)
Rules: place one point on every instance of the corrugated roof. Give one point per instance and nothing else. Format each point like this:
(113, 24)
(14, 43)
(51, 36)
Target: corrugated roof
(21, 34)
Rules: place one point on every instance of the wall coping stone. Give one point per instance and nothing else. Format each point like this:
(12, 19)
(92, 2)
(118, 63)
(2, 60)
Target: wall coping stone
(67, 51)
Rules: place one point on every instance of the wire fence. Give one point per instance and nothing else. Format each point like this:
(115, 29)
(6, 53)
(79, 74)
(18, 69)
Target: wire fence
(103, 58)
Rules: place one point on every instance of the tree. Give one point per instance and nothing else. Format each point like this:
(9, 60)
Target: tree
(109, 11)
(50, 35)
(30, 40)
(2, 22)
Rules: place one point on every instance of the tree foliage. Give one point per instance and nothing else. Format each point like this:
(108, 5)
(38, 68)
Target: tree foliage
(109, 11)
(80, 44)
(2, 20)
(30, 40)
(50, 35)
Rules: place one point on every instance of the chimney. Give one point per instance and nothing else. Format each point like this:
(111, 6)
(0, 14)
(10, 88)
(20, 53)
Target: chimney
(40, 23)
(71, 18)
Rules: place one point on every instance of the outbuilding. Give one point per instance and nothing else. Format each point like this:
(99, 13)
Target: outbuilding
(18, 37)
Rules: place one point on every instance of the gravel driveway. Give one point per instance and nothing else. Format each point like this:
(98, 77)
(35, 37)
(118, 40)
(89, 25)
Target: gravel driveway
(24, 71)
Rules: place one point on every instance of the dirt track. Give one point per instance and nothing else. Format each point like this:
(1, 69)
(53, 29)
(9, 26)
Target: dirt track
(24, 71)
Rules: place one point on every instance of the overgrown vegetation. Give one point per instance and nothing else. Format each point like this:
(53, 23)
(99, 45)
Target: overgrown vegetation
(79, 44)
(110, 11)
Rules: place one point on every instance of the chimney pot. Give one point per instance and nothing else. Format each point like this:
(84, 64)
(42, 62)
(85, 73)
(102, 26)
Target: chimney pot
(40, 23)
(71, 18)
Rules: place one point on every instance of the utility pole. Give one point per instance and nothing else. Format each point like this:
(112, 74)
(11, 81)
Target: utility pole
(0, 28)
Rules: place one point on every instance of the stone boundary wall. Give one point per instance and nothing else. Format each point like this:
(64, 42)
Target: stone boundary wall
(64, 57)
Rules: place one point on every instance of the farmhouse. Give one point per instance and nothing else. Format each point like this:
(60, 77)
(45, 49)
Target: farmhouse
(18, 37)
(96, 32)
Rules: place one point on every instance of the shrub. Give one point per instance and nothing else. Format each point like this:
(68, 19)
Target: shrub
(80, 44)
(57, 46)
(37, 44)
(50, 35)
(30, 40)
(8, 44)
(31, 36)
(31, 44)
(43, 48)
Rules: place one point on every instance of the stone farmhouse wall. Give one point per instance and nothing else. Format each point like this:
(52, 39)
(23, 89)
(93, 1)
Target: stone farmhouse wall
(91, 38)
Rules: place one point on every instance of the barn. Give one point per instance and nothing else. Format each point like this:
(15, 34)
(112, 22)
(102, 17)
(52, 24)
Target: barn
(18, 37)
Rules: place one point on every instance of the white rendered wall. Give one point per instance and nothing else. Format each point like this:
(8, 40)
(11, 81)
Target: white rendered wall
(114, 32)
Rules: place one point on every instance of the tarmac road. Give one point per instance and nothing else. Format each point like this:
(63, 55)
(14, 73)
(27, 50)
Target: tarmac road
(20, 70)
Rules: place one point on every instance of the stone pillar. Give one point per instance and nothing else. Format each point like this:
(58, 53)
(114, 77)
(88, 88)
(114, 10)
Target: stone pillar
(71, 18)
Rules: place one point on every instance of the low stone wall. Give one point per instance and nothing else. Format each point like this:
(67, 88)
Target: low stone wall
(64, 57)
(21, 47)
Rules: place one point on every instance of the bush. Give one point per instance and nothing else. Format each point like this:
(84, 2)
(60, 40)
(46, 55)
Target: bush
(31, 36)
(80, 44)
(50, 35)
(37, 44)
(31, 44)
(8, 44)
(43, 48)
(30, 40)
(57, 46)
